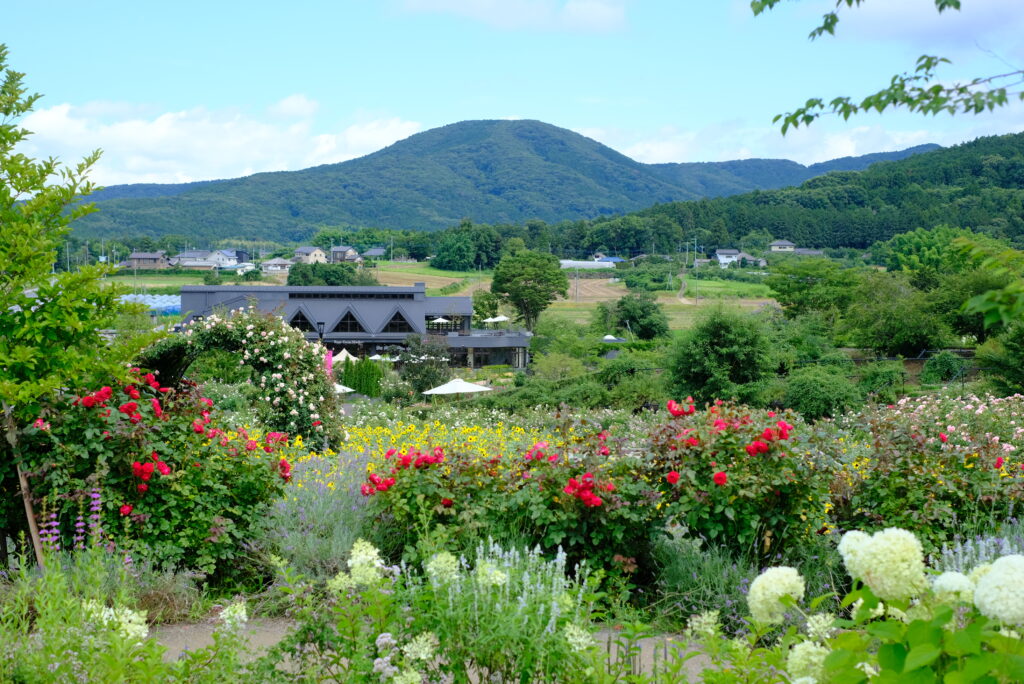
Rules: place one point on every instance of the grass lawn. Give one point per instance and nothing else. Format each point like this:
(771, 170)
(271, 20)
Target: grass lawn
(425, 269)
(681, 315)
(726, 288)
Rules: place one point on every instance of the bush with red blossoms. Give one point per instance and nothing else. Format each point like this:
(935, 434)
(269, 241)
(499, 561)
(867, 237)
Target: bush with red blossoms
(177, 486)
(740, 477)
(586, 498)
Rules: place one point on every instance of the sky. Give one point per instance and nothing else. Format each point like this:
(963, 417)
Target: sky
(185, 91)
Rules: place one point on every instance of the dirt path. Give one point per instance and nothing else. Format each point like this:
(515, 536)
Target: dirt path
(263, 633)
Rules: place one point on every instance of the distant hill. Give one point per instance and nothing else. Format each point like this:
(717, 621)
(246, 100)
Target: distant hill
(489, 171)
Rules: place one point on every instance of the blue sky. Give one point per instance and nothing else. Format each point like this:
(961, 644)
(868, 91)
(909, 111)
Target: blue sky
(198, 90)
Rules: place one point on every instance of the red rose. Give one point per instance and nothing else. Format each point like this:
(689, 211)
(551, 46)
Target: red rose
(367, 489)
(157, 409)
(88, 402)
(143, 488)
(720, 478)
(251, 445)
(447, 503)
(126, 509)
(999, 462)
(675, 409)
(163, 468)
(943, 437)
(208, 402)
(128, 408)
(672, 477)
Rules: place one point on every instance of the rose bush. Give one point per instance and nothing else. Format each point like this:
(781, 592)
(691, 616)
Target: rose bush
(175, 485)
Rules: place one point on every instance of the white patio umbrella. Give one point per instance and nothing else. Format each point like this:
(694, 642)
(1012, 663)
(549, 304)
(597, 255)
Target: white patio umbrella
(440, 319)
(376, 357)
(457, 386)
(341, 389)
(343, 356)
(496, 319)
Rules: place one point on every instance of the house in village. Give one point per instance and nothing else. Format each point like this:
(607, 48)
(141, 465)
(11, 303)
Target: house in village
(278, 265)
(782, 246)
(375, 253)
(147, 261)
(368, 320)
(341, 254)
(727, 257)
(310, 255)
(208, 260)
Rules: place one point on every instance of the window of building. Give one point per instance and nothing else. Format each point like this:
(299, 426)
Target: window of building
(349, 324)
(300, 322)
(398, 324)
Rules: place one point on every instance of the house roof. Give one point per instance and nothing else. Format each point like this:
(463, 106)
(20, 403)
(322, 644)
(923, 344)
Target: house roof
(340, 248)
(278, 262)
(727, 252)
(195, 254)
(375, 251)
(782, 243)
(306, 250)
(611, 259)
(148, 255)
(228, 253)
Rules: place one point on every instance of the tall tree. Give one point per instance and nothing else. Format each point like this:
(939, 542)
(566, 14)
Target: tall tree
(529, 281)
(49, 324)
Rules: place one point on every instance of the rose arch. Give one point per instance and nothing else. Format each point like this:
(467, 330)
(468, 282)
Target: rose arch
(296, 394)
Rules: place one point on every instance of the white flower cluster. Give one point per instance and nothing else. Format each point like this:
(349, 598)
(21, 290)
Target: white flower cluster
(365, 569)
(130, 624)
(442, 567)
(235, 616)
(820, 626)
(408, 677)
(579, 638)
(488, 575)
(998, 593)
(806, 660)
(705, 626)
(954, 586)
(769, 588)
(422, 647)
(890, 562)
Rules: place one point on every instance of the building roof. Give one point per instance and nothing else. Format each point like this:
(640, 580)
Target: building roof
(591, 265)
(228, 253)
(278, 261)
(340, 248)
(727, 252)
(306, 249)
(612, 259)
(195, 254)
(782, 243)
(375, 251)
(148, 255)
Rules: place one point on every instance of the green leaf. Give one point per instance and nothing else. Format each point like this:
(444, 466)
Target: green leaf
(889, 631)
(962, 642)
(921, 655)
(892, 656)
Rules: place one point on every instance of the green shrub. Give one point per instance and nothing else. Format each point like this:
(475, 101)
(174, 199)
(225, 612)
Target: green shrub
(943, 367)
(363, 376)
(555, 366)
(882, 380)
(582, 394)
(816, 392)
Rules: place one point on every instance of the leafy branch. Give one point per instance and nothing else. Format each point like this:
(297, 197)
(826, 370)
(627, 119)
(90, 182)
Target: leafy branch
(916, 90)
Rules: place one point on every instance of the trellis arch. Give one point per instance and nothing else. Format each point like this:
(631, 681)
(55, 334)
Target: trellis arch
(297, 395)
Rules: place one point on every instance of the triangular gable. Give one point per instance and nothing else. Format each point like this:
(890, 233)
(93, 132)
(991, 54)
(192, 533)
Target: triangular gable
(348, 323)
(398, 323)
(300, 321)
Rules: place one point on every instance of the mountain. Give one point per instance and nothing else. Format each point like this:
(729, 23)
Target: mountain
(489, 171)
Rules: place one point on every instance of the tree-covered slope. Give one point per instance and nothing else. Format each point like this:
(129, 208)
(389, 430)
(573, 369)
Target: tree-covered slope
(977, 185)
(488, 171)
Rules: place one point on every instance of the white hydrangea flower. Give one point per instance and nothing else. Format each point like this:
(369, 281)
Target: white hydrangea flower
(806, 659)
(954, 586)
(579, 638)
(704, 626)
(890, 562)
(365, 563)
(407, 677)
(422, 647)
(340, 583)
(868, 669)
(820, 626)
(979, 572)
(768, 588)
(998, 595)
(442, 567)
(235, 615)
(488, 575)
(130, 624)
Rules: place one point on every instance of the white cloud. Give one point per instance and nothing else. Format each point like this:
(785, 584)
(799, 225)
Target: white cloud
(824, 140)
(201, 144)
(296, 106)
(569, 15)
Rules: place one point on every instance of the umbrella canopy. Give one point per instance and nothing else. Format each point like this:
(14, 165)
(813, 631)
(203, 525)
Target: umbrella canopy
(440, 319)
(341, 389)
(457, 386)
(496, 319)
(376, 357)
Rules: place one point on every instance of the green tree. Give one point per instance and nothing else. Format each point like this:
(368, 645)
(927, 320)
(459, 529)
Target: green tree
(456, 252)
(49, 324)
(1002, 359)
(424, 363)
(922, 90)
(485, 305)
(726, 355)
(820, 392)
(803, 286)
(331, 275)
(891, 317)
(529, 281)
(640, 314)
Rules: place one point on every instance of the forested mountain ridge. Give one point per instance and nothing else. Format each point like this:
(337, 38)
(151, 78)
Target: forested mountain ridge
(978, 185)
(489, 171)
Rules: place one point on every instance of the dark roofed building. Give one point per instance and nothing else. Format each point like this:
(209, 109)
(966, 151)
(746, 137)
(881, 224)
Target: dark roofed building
(782, 246)
(367, 320)
(148, 261)
(343, 253)
(375, 253)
